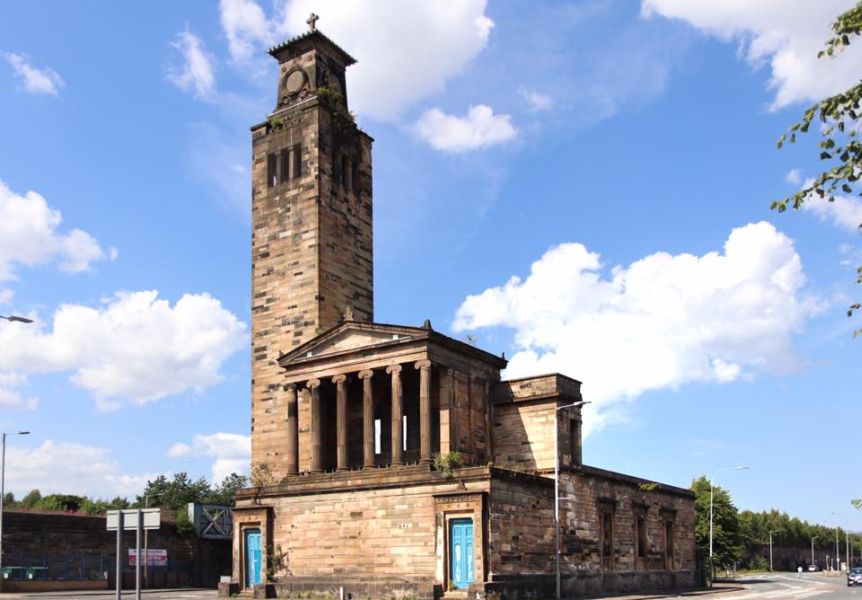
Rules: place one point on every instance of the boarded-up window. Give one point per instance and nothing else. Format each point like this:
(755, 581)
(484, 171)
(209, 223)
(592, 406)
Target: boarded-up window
(641, 537)
(668, 545)
(607, 539)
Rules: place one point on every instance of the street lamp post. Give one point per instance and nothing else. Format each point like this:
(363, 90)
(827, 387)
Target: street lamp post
(846, 543)
(3, 493)
(813, 537)
(16, 319)
(771, 531)
(711, 494)
(557, 486)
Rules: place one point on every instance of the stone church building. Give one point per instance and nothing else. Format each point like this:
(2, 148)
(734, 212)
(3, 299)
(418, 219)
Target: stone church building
(358, 426)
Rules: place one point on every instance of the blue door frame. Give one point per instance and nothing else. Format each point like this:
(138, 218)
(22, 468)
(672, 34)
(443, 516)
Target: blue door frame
(252, 557)
(461, 553)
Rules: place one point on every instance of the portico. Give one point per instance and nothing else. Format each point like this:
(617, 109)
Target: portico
(349, 412)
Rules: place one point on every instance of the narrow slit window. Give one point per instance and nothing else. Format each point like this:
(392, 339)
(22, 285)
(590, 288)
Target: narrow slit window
(668, 545)
(271, 170)
(336, 168)
(297, 161)
(345, 169)
(642, 541)
(285, 165)
(378, 432)
(354, 175)
(404, 433)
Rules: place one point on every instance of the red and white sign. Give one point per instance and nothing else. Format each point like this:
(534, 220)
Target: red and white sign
(155, 558)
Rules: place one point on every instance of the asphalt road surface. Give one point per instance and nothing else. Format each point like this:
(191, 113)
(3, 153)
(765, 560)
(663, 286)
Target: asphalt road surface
(791, 586)
(777, 586)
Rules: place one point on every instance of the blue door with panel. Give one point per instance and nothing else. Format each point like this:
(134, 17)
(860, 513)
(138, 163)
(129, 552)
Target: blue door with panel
(252, 557)
(461, 552)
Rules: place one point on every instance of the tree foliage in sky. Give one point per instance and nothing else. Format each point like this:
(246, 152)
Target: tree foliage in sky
(726, 543)
(840, 146)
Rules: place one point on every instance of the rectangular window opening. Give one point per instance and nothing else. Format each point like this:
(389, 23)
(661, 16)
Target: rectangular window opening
(404, 433)
(297, 161)
(271, 170)
(607, 524)
(378, 432)
(285, 166)
(641, 533)
(345, 168)
(668, 546)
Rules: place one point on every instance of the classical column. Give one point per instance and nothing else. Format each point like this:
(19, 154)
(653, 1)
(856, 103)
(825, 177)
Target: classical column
(397, 415)
(340, 382)
(367, 419)
(316, 426)
(424, 367)
(292, 431)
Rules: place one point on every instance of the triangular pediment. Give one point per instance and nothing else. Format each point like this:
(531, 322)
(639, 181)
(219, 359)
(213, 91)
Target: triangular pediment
(352, 337)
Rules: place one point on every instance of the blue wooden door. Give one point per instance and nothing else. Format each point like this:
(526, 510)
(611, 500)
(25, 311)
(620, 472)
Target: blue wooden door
(252, 557)
(461, 552)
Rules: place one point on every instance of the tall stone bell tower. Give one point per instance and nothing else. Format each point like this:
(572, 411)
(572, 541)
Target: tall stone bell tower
(311, 219)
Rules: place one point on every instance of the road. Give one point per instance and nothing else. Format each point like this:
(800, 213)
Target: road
(777, 586)
(790, 586)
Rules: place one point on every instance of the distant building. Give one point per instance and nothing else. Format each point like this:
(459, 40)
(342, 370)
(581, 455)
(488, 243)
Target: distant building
(348, 415)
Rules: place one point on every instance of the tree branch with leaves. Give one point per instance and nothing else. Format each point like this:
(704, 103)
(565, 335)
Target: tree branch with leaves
(840, 147)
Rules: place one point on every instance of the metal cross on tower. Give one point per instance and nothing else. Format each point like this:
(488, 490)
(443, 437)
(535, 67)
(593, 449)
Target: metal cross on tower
(312, 21)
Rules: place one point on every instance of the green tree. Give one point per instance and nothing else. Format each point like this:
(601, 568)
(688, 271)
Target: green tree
(840, 147)
(174, 494)
(224, 492)
(32, 499)
(726, 544)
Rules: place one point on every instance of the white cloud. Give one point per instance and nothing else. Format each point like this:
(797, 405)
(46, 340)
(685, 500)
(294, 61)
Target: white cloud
(538, 102)
(196, 73)
(29, 236)
(246, 27)
(9, 395)
(35, 81)
(69, 468)
(135, 346)
(787, 35)
(479, 129)
(434, 40)
(845, 212)
(663, 321)
(793, 177)
(232, 452)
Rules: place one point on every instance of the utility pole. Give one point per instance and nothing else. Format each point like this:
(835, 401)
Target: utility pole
(814, 537)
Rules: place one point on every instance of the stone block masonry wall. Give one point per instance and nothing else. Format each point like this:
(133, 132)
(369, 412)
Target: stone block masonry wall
(521, 525)
(593, 491)
(311, 252)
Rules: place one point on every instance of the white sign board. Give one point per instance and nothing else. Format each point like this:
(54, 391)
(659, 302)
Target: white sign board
(152, 519)
(155, 558)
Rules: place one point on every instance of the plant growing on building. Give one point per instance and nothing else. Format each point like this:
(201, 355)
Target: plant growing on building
(647, 486)
(261, 475)
(446, 463)
(274, 563)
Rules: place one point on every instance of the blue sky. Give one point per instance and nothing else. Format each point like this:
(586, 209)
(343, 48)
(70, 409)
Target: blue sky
(582, 186)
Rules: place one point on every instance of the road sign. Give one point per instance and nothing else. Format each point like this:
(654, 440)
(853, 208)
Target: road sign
(152, 519)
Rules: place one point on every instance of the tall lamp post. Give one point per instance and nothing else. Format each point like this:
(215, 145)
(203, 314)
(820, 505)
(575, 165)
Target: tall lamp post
(557, 485)
(3, 493)
(813, 537)
(846, 543)
(16, 319)
(711, 497)
(771, 531)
